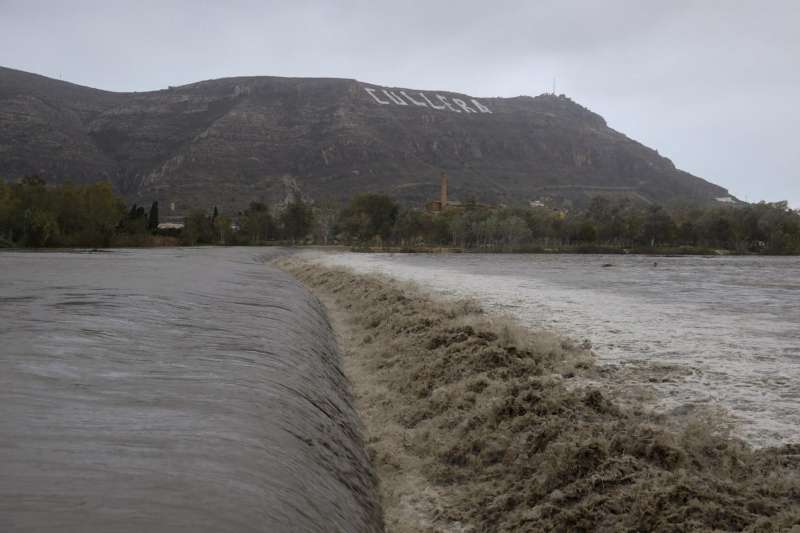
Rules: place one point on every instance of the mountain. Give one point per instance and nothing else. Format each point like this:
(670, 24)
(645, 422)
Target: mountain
(228, 142)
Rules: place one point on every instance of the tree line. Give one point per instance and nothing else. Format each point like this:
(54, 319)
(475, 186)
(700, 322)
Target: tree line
(291, 224)
(34, 214)
(606, 224)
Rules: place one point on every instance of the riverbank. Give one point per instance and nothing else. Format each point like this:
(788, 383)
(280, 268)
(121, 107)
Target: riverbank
(475, 422)
(576, 249)
(174, 242)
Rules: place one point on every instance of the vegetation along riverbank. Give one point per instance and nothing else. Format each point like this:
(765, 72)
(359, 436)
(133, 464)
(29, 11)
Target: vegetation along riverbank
(476, 424)
(34, 214)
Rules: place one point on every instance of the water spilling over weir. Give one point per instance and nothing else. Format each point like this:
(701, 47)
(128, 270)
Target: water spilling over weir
(696, 331)
(173, 390)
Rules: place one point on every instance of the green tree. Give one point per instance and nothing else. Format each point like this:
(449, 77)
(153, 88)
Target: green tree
(687, 233)
(42, 227)
(197, 229)
(32, 192)
(658, 226)
(716, 227)
(8, 212)
(369, 216)
(73, 218)
(222, 228)
(297, 219)
(135, 223)
(257, 224)
(412, 226)
(105, 210)
(514, 231)
(325, 217)
(586, 232)
(542, 222)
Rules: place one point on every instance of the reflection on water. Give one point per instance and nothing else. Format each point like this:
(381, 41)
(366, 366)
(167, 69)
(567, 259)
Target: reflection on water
(172, 390)
(733, 323)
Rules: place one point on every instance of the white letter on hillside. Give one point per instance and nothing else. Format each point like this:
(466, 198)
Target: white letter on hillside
(415, 102)
(482, 108)
(371, 92)
(394, 98)
(430, 103)
(463, 105)
(445, 102)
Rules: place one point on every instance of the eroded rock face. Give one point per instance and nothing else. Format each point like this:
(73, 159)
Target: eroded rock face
(231, 141)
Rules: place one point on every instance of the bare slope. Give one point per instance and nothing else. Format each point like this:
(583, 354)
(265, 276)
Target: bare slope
(233, 140)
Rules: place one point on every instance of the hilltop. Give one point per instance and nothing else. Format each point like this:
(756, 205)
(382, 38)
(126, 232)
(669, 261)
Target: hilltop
(230, 141)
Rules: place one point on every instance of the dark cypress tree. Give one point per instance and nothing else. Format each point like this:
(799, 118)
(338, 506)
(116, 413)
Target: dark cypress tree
(152, 218)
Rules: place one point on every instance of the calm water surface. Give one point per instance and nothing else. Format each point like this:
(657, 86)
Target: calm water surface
(172, 390)
(731, 323)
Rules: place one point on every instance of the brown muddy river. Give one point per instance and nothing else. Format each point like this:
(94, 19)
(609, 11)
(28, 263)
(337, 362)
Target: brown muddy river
(700, 332)
(172, 390)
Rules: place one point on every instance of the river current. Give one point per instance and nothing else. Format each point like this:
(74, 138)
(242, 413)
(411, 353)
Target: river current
(173, 390)
(698, 331)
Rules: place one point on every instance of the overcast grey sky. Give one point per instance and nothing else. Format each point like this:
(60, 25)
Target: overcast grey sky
(713, 85)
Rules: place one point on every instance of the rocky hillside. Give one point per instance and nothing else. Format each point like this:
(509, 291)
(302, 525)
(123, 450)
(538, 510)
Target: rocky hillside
(231, 141)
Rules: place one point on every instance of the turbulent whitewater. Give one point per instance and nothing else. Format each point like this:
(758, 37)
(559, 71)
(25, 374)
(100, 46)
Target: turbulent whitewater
(698, 331)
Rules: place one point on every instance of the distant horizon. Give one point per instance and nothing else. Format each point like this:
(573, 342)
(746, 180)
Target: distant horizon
(713, 89)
